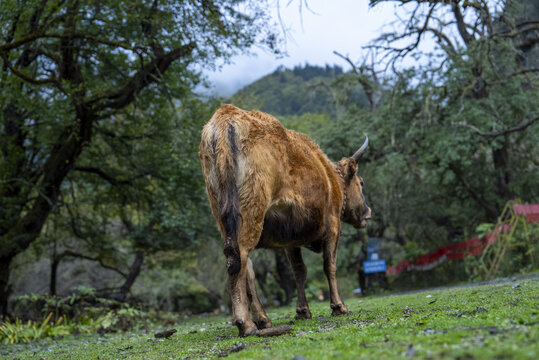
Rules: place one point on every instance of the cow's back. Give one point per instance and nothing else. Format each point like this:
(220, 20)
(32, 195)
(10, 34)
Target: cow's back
(283, 178)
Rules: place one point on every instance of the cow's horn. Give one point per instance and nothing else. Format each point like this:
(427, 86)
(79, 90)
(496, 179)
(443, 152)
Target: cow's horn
(358, 153)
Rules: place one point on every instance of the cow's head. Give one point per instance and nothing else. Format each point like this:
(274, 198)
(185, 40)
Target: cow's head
(356, 212)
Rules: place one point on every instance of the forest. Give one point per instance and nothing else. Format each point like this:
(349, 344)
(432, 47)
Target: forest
(101, 189)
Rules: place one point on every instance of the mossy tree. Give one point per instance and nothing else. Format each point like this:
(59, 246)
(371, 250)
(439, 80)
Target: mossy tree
(70, 69)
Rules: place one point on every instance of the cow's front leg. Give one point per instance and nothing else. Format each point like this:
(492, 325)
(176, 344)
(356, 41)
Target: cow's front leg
(300, 274)
(238, 294)
(259, 315)
(330, 268)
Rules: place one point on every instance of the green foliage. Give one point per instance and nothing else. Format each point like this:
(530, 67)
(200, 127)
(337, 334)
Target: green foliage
(125, 318)
(81, 312)
(518, 248)
(90, 98)
(177, 282)
(82, 302)
(19, 332)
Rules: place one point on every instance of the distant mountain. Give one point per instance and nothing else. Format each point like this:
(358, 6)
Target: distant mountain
(303, 89)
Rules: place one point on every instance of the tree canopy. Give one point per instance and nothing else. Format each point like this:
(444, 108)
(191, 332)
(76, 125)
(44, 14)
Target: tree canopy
(73, 69)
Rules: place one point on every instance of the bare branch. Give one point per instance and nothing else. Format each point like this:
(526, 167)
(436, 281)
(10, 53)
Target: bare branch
(491, 210)
(110, 179)
(520, 127)
(370, 86)
(69, 253)
(44, 81)
(148, 74)
(461, 25)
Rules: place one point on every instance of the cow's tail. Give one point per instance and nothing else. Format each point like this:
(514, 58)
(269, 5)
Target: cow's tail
(226, 152)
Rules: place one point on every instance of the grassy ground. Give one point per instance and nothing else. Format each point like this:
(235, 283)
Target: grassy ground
(483, 322)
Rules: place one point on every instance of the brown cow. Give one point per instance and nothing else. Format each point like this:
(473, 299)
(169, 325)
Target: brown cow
(272, 187)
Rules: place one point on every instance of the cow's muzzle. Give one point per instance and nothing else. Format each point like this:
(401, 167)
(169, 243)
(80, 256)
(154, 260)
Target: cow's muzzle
(367, 216)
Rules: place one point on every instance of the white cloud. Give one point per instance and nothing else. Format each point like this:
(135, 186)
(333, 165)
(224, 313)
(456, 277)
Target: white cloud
(342, 25)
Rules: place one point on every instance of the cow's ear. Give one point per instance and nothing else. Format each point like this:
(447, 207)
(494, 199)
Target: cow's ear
(351, 169)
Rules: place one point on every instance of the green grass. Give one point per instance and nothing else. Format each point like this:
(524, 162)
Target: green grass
(481, 322)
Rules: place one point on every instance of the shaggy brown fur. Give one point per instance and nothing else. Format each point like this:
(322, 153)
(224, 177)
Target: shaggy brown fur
(273, 187)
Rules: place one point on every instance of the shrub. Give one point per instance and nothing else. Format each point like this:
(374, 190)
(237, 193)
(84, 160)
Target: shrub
(17, 331)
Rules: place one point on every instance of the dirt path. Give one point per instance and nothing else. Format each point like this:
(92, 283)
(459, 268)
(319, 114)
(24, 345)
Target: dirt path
(533, 276)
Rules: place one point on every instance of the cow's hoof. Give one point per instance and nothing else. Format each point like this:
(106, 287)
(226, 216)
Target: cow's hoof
(303, 313)
(339, 309)
(249, 331)
(262, 323)
(246, 328)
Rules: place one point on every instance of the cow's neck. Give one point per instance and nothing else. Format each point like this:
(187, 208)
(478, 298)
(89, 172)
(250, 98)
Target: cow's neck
(343, 191)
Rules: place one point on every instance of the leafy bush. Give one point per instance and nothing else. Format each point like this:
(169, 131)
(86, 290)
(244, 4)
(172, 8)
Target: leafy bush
(510, 254)
(17, 331)
(82, 302)
(87, 312)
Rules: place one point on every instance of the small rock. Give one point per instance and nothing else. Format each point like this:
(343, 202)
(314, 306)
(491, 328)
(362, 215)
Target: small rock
(410, 351)
(326, 328)
(165, 334)
(407, 312)
(494, 330)
(428, 296)
(299, 357)
(516, 287)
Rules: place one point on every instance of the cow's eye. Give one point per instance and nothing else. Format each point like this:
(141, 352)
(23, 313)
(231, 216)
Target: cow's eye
(361, 182)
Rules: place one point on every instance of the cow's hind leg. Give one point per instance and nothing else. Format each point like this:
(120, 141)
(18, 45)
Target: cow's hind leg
(249, 235)
(238, 294)
(330, 268)
(300, 274)
(259, 315)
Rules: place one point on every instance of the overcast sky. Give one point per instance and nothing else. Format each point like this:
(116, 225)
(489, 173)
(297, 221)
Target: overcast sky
(342, 25)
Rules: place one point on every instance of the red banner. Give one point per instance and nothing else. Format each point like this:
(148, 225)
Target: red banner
(460, 250)
(456, 251)
(531, 211)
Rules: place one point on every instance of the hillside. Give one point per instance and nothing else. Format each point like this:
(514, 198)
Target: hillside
(303, 89)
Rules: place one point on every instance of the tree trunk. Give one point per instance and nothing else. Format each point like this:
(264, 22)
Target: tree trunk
(500, 158)
(134, 272)
(5, 289)
(491, 210)
(54, 270)
(262, 269)
(285, 276)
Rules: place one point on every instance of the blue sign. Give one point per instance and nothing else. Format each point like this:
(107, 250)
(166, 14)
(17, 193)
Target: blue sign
(375, 266)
